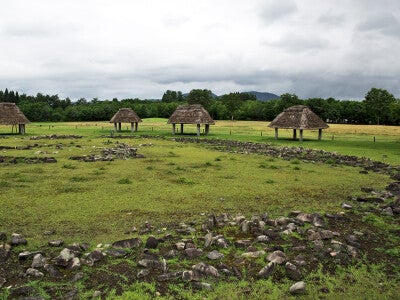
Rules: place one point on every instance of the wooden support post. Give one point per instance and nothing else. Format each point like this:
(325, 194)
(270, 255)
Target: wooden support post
(21, 128)
(294, 134)
(319, 134)
(198, 129)
(136, 126)
(207, 129)
(276, 133)
(181, 128)
(301, 135)
(173, 128)
(132, 127)
(115, 127)
(119, 126)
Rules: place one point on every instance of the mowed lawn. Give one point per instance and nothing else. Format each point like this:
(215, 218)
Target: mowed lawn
(175, 182)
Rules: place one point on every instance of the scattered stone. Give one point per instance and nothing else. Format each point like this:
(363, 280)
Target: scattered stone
(262, 239)
(129, 243)
(56, 243)
(277, 257)
(215, 255)
(151, 264)
(116, 253)
(65, 256)
(17, 240)
(34, 273)
(201, 285)
(96, 294)
(143, 273)
(253, 254)
(74, 264)
(267, 270)
(347, 206)
(242, 243)
(292, 271)
(206, 270)
(38, 261)
(298, 288)
(26, 254)
(151, 242)
(193, 252)
(53, 271)
(180, 245)
(170, 276)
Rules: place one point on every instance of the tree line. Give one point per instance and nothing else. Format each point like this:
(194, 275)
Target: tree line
(378, 107)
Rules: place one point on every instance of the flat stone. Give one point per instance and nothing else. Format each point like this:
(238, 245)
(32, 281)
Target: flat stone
(215, 255)
(116, 253)
(34, 273)
(143, 273)
(277, 257)
(56, 243)
(193, 252)
(253, 254)
(242, 243)
(206, 269)
(201, 285)
(128, 243)
(17, 240)
(298, 288)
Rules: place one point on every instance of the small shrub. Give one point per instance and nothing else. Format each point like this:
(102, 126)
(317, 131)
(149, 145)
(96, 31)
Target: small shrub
(149, 168)
(296, 168)
(124, 181)
(263, 166)
(217, 159)
(269, 181)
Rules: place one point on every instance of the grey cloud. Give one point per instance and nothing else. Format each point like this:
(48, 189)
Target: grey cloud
(293, 42)
(385, 23)
(275, 10)
(331, 19)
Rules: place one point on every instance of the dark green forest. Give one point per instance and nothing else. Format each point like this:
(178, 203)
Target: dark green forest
(378, 107)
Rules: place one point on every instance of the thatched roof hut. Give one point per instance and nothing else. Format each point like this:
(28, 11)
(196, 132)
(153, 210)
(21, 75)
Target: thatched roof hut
(125, 115)
(10, 114)
(191, 114)
(298, 117)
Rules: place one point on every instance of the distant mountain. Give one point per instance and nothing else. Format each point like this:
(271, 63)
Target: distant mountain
(263, 96)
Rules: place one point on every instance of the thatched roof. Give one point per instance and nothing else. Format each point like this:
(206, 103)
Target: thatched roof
(10, 114)
(191, 114)
(125, 115)
(298, 117)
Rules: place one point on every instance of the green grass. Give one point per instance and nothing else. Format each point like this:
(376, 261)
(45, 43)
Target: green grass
(98, 202)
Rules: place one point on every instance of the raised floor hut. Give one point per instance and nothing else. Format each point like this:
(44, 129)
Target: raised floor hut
(125, 115)
(10, 114)
(298, 117)
(191, 114)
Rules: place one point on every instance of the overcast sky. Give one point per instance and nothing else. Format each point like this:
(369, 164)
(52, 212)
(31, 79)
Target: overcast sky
(132, 48)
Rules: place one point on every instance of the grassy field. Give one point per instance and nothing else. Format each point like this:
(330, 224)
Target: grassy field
(98, 202)
(381, 143)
